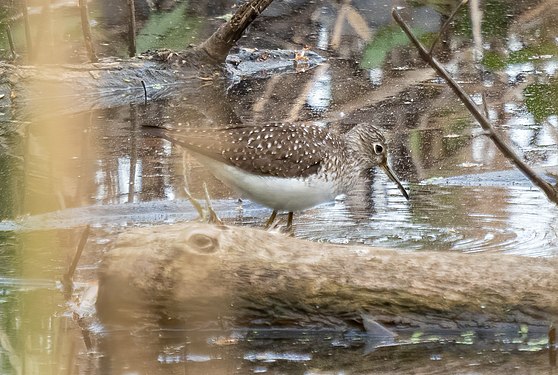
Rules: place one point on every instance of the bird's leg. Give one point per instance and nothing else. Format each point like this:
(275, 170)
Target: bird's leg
(289, 222)
(271, 219)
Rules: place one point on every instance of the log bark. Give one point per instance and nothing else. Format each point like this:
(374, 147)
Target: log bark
(241, 277)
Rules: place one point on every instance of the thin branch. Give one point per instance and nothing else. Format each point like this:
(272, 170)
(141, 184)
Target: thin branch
(144, 92)
(496, 137)
(11, 42)
(446, 25)
(86, 28)
(27, 31)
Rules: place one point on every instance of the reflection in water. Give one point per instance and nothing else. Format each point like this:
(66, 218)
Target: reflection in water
(550, 67)
(476, 20)
(516, 72)
(323, 38)
(268, 351)
(435, 220)
(319, 97)
(376, 75)
(514, 43)
(482, 150)
(128, 178)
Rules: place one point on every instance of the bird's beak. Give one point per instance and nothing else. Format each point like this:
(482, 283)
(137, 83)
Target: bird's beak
(385, 167)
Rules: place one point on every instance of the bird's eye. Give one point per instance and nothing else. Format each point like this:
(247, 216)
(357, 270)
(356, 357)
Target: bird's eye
(378, 149)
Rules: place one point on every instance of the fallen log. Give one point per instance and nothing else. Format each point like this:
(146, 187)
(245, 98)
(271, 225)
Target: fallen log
(106, 84)
(111, 83)
(114, 82)
(227, 277)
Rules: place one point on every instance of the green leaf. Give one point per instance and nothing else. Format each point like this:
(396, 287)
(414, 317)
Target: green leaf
(384, 42)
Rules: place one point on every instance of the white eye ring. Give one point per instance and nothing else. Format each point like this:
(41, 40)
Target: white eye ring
(378, 149)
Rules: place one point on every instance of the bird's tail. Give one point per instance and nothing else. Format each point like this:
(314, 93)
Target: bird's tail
(159, 131)
(156, 131)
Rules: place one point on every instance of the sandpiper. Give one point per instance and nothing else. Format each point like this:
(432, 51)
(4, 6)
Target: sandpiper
(287, 166)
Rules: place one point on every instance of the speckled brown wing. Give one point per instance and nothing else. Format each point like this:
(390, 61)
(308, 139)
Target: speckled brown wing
(280, 150)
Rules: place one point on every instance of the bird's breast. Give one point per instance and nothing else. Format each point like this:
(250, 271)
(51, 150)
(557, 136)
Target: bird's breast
(279, 193)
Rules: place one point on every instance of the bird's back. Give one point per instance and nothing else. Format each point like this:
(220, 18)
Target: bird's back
(278, 150)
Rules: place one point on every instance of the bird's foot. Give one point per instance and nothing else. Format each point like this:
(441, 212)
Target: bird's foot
(270, 226)
(269, 222)
(289, 228)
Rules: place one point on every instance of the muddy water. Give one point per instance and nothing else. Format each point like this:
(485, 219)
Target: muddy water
(62, 172)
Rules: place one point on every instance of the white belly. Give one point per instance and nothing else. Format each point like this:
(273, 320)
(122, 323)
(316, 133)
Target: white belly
(274, 192)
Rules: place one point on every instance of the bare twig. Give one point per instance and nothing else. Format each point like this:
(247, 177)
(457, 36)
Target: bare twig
(496, 137)
(11, 42)
(144, 92)
(446, 25)
(131, 28)
(86, 28)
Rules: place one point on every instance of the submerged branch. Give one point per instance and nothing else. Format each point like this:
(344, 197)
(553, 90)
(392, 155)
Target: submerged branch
(131, 28)
(113, 82)
(218, 45)
(86, 29)
(495, 136)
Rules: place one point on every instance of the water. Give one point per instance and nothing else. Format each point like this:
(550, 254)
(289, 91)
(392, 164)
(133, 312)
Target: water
(61, 170)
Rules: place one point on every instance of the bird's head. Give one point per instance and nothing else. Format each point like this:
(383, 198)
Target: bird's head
(369, 146)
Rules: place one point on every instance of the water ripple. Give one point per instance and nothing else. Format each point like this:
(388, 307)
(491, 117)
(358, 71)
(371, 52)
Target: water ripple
(515, 220)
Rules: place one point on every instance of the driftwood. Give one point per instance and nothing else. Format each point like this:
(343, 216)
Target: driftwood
(104, 84)
(113, 82)
(224, 276)
(86, 30)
